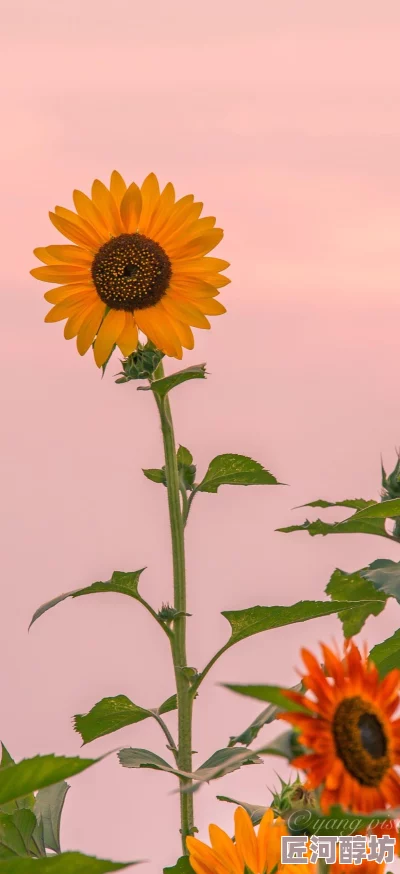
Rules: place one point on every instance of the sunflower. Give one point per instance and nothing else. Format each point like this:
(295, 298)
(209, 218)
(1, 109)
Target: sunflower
(350, 730)
(249, 854)
(138, 262)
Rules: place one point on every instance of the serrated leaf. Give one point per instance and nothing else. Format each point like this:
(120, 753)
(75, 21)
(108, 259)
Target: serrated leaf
(49, 805)
(386, 655)
(132, 757)
(111, 714)
(5, 757)
(121, 582)
(273, 694)
(384, 510)
(19, 780)
(156, 475)
(235, 470)
(182, 866)
(225, 759)
(65, 863)
(220, 763)
(183, 456)
(384, 575)
(255, 811)
(355, 588)
(353, 525)
(265, 718)
(161, 387)
(351, 503)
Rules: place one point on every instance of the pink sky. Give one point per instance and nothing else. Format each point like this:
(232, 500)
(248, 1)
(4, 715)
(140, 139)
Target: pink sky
(283, 117)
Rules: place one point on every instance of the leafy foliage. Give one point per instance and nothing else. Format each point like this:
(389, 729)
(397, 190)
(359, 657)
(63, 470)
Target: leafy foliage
(274, 694)
(161, 387)
(384, 576)
(265, 717)
(355, 588)
(234, 470)
(122, 583)
(49, 804)
(221, 762)
(18, 780)
(386, 655)
(108, 715)
(182, 866)
(66, 863)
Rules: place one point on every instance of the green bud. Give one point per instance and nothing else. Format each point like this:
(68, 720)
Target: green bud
(141, 364)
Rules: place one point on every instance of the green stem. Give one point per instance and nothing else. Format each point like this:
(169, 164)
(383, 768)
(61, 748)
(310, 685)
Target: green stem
(178, 641)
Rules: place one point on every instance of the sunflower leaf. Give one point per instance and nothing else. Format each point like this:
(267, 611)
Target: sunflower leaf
(156, 475)
(65, 863)
(49, 806)
(367, 520)
(265, 717)
(123, 583)
(383, 510)
(355, 588)
(255, 811)
(221, 762)
(384, 575)
(182, 866)
(111, 714)
(386, 655)
(235, 470)
(16, 832)
(19, 780)
(161, 387)
(273, 694)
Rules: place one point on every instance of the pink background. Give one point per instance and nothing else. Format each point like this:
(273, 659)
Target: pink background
(283, 117)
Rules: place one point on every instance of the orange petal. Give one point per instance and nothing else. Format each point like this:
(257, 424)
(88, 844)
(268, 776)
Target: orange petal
(245, 838)
(199, 245)
(64, 309)
(131, 207)
(75, 322)
(185, 334)
(75, 233)
(201, 266)
(90, 213)
(61, 273)
(69, 255)
(150, 196)
(128, 338)
(111, 328)
(90, 327)
(117, 187)
(157, 327)
(56, 295)
(184, 311)
(103, 199)
(210, 307)
(224, 849)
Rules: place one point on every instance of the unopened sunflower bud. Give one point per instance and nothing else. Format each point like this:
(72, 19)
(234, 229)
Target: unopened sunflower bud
(141, 364)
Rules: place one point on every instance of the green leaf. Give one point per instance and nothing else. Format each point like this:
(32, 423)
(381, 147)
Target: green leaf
(220, 763)
(65, 863)
(227, 760)
(183, 456)
(16, 831)
(182, 866)
(49, 806)
(168, 705)
(234, 470)
(245, 623)
(255, 811)
(384, 575)
(18, 780)
(123, 583)
(5, 757)
(161, 387)
(353, 525)
(266, 716)
(108, 715)
(384, 510)
(156, 475)
(355, 588)
(386, 655)
(352, 503)
(138, 758)
(274, 694)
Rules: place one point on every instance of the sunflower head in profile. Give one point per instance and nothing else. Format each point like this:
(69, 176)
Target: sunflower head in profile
(138, 262)
(351, 730)
(249, 853)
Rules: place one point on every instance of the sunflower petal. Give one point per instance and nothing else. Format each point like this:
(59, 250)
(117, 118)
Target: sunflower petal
(150, 196)
(117, 187)
(56, 295)
(245, 838)
(70, 255)
(89, 328)
(75, 233)
(185, 311)
(128, 338)
(199, 245)
(61, 273)
(111, 328)
(90, 213)
(103, 199)
(131, 207)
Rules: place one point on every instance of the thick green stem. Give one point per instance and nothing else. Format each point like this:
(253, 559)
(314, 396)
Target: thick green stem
(178, 641)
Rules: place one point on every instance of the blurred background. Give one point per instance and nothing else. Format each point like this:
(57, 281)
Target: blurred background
(283, 118)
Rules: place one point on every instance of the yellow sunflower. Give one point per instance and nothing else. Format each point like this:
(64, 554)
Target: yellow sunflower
(250, 853)
(350, 729)
(139, 262)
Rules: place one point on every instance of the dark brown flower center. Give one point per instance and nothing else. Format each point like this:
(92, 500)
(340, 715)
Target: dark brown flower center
(361, 741)
(131, 272)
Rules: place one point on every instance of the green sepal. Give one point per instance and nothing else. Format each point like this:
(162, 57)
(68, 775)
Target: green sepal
(141, 364)
(386, 655)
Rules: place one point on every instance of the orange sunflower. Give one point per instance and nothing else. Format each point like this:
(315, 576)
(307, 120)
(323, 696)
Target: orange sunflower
(350, 729)
(138, 262)
(249, 853)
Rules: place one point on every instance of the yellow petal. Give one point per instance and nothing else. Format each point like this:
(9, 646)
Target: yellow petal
(56, 295)
(75, 322)
(44, 255)
(199, 868)
(69, 255)
(150, 197)
(107, 207)
(128, 338)
(78, 222)
(246, 839)
(191, 287)
(204, 855)
(154, 322)
(74, 233)
(90, 213)
(219, 281)
(185, 311)
(225, 849)
(117, 187)
(185, 334)
(61, 273)
(63, 310)
(109, 332)
(200, 245)
(210, 307)
(131, 207)
(179, 221)
(162, 212)
(190, 232)
(89, 328)
(265, 851)
(200, 266)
